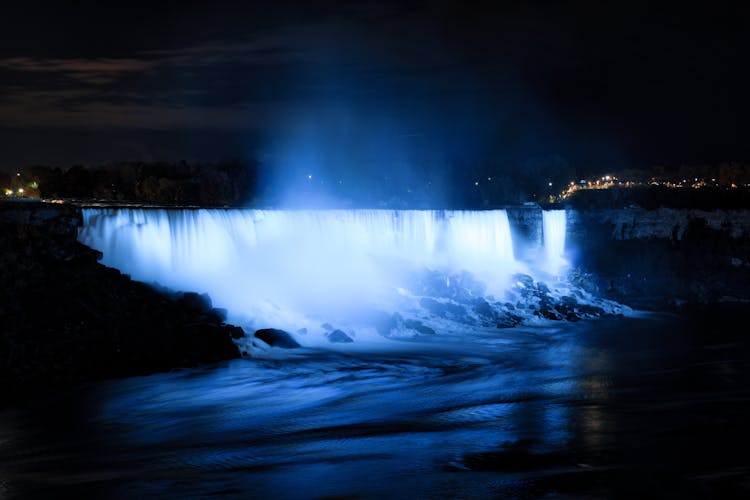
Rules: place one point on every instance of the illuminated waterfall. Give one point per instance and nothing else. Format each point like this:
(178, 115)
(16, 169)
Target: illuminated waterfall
(277, 263)
(553, 230)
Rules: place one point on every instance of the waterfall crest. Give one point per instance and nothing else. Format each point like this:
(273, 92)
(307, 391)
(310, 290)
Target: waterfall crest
(254, 261)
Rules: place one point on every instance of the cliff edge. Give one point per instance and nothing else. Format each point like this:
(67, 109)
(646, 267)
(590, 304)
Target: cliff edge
(65, 318)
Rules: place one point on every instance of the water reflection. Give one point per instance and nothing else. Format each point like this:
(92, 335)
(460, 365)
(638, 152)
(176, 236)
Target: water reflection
(583, 409)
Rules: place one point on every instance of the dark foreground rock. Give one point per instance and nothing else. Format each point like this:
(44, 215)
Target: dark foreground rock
(338, 337)
(276, 338)
(67, 319)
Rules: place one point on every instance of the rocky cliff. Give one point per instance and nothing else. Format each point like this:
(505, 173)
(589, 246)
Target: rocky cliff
(662, 258)
(66, 318)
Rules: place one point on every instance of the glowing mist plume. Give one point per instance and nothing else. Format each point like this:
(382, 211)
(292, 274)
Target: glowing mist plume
(282, 263)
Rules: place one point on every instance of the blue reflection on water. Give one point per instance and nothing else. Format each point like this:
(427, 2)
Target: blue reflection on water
(496, 413)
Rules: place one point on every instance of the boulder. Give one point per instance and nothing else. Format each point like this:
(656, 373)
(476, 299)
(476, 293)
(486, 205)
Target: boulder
(524, 280)
(276, 338)
(383, 322)
(484, 311)
(212, 341)
(507, 320)
(197, 302)
(338, 337)
(236, 332)
(447, 310)
(548, 313)
(418, 326)
(589, 310)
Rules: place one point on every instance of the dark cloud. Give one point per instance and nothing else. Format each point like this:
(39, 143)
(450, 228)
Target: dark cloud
(590, 81)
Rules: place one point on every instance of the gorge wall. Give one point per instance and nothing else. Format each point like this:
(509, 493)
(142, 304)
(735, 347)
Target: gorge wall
(662, 258)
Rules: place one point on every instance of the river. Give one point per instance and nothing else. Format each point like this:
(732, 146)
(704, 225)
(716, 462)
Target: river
(647, 404)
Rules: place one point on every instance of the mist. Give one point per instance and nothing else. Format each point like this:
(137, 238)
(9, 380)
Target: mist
(368, 121)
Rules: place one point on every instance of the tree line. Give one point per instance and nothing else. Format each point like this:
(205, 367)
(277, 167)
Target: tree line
(223, 183)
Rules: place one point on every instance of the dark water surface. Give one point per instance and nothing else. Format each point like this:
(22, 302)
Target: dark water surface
(652, 405)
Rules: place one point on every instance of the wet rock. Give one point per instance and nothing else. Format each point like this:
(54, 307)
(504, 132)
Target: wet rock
(433, 284)
(236, 332)
(209, 338)
(461, 287)
(338, 337)
(567, 311)
(569, 301)
(418, 326)
(548, 313)
(197, 302)
(524, 280)
(445, 310)
(466, 287)
(483, 309)
(507, 320)
(276, 338)
(590, 310)
(68, 319)
(383, 322)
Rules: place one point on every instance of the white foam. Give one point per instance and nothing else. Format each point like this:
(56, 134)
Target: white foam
(279, 267)
(554, 230)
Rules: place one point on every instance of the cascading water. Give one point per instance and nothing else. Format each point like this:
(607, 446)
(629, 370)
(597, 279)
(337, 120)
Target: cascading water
(280, 266)
(553, 230)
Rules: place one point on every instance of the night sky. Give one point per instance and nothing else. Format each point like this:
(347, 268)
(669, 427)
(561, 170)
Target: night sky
(363, 83)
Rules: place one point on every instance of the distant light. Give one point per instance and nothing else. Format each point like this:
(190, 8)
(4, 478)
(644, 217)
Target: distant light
(572, 183)
(696, 179)
(8, 192)
(476, 183)
(309, 177)
(489, 178)
(20, 190)
(550, 184)
(18, 174)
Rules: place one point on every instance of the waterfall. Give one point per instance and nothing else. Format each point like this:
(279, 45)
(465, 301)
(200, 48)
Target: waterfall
(553, 230)
(265, 262)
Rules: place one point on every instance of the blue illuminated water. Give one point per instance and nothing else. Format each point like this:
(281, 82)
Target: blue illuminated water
(627, 406)
(648, 405)
(554, 225)
(300, 268)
